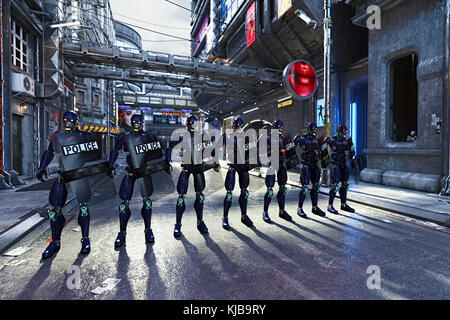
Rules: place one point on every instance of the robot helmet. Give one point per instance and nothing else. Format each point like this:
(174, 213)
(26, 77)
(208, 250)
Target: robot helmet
(137, 122)
(190, 123)
(70, 120)
(312, 128)
(342, 130)
(278, 124)
(238, 123)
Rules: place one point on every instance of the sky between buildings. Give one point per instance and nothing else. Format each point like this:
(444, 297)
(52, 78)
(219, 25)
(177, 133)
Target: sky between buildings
(160, 16)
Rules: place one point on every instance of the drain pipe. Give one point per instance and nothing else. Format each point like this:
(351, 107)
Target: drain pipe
(446, 116)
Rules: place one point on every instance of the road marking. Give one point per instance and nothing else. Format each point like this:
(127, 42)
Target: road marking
(420, 225)
(71, 216)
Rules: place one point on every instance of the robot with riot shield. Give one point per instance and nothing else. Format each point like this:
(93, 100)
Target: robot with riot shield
(242, 169)
(342, 149)
(287, 160)
(310, 170)
(77, 150)
(196, 166)
(144, 158)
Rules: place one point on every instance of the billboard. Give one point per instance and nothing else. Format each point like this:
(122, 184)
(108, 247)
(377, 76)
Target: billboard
(201, 33)
(251, 24)
(320, 112)
(228, 8)
(283, 7)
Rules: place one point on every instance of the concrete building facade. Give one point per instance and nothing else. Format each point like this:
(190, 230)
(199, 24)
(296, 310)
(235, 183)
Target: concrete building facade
(388, 85)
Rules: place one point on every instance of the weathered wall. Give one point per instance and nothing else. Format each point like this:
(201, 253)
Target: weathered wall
(413, 26)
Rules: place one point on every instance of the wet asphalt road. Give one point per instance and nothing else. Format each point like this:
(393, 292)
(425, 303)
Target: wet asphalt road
(318, 258)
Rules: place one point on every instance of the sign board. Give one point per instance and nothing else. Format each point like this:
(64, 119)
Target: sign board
(300, 79)
(285, 103)
(228, 9)
(283, 7)
(320, 112)
(201, 33)
(251, 24)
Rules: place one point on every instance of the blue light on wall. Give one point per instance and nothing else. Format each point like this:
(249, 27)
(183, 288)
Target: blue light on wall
(123, 107)
(354, 121)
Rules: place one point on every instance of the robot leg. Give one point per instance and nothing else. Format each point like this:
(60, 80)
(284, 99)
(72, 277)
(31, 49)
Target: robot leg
(244, 181)
(315, 178)
(335, 177)
(282, 180)
(125, 194)
(270, 182)
(199, 186)
(343, 190)
(281, 195)
(305, 177)
(146, 211)
(229, 186)
(57, 198)
(182, 187)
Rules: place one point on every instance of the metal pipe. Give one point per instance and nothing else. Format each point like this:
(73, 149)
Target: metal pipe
(327, 64)
(446, 106)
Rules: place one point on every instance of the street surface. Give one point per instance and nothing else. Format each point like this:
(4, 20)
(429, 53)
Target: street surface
(318, 258)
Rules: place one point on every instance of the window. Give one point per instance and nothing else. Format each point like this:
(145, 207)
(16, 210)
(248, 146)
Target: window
(19, 46)
(80, 97)
(95, 100)
(403, 99)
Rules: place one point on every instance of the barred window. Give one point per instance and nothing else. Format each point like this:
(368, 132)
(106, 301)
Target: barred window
(19, 39)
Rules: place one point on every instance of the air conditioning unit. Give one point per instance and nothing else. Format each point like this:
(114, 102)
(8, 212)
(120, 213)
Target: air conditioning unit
(22, 83)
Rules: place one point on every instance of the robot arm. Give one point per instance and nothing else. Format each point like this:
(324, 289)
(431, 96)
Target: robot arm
(46, 158)
(172, 145)
(115, 151)
(323, 153)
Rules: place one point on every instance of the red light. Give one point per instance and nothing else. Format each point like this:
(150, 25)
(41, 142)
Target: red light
(300, 79)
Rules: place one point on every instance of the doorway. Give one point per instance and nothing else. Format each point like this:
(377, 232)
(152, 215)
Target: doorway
(17, 143)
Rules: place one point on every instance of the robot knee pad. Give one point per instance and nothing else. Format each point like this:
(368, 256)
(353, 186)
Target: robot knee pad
(269, 192)
(147, 203)
(84, 211)
(346, 185)
(180, 200)
(200, 197)
(54, 213)
(124, 206)
(229, 196)
(245, 193)
(316, 187)
(335, 187)
(283, 189)
(304, 190)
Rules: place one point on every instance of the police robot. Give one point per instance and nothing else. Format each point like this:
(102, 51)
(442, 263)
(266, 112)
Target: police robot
(242, 170)
(342, 149)
(287, 160)
(312, 152)
(144, 158)
(75, 149)
(196, 167)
